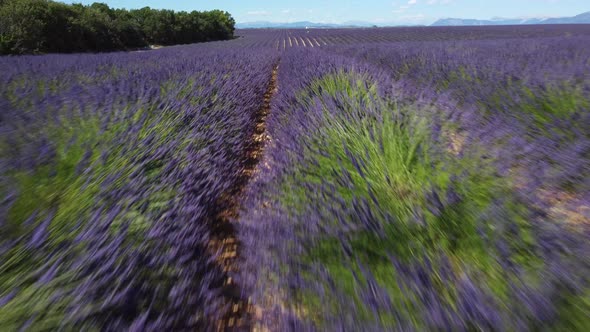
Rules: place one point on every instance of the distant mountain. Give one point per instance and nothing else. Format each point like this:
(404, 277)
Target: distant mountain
(299, 25)
(578, 19)
(583, 18)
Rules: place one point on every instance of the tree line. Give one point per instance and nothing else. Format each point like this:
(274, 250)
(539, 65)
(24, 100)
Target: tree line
(45, 26)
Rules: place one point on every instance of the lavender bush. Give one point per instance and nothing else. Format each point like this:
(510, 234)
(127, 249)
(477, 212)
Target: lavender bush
(410, 179)
(392, 198)
(113, 167)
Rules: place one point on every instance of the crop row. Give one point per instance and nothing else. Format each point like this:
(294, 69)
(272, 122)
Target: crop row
(411, 179)
(427, 186)
(113, 170)
(285, 39)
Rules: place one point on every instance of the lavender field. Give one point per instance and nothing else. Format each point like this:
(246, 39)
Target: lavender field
(379, 179)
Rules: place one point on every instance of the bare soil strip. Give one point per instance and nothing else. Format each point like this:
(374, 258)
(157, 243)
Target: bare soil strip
(238, 311)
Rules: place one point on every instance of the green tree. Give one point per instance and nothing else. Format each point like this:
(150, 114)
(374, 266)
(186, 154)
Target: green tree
(22, 26)
(37, 26)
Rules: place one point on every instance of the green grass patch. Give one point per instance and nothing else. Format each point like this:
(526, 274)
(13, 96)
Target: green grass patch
(388, 159)
(70, 184)
(554, 103)
(573, 313)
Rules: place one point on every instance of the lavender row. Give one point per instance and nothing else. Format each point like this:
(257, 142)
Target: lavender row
(381, 206)
(529, 101)
(113, 169)
(286, 39)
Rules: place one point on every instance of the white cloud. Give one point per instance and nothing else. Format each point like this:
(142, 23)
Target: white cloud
(401, 9)
(413, 19)
(416, 17)
(258, 13)
(412, 2)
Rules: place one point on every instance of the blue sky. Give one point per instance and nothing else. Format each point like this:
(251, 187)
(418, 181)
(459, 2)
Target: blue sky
(377, 11)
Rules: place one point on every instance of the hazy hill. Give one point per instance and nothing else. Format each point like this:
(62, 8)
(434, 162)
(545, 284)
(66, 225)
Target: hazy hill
(578, 19)
(583, 18)
(298, 25)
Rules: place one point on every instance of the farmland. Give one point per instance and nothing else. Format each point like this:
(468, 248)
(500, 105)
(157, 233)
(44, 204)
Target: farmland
(342, 179)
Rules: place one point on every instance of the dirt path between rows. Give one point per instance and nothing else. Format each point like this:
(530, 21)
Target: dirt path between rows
(238, 311)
